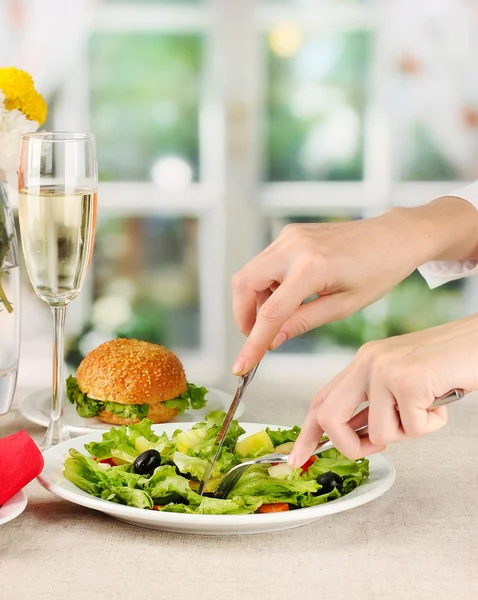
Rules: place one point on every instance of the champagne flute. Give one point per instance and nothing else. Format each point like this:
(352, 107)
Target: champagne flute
(57, 184)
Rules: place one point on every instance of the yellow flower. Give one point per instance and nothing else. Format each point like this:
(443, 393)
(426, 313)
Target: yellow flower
(20, 93)
(33, 106)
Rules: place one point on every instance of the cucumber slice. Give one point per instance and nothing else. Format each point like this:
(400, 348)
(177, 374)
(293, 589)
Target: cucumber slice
(281, 471)
(285, 448)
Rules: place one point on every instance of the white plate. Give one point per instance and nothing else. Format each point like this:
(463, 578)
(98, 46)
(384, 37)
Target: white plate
(382, 476)
(36, 408)
(13, 507)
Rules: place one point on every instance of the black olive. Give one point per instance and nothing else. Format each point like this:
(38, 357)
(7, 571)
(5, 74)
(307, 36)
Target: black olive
(146, 462)
(329, 481)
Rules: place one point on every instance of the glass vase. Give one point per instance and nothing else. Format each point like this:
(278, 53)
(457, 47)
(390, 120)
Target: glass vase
(10, 306)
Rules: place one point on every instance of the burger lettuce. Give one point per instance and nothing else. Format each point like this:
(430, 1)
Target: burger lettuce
(194, 397)
(172, 486)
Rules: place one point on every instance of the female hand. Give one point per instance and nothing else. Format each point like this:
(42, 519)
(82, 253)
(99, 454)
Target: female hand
(345, 266)
(400, 378)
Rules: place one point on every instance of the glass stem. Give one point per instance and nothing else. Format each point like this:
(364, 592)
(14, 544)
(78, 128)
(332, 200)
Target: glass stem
(57, 432)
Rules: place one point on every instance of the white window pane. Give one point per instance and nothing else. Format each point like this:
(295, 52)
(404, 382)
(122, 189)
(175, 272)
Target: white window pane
(144, 101)
(315, 102)
(171, 2)
(145, 284)
(434, 97)
(316, 3)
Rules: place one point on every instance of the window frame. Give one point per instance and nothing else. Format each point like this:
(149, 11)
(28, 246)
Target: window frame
(230, 201)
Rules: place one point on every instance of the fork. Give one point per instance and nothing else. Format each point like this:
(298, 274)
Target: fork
(232, 477)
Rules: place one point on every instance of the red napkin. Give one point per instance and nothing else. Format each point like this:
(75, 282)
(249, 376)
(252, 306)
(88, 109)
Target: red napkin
(20, 462)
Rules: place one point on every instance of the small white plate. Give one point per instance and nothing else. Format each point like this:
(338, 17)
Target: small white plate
(36, 408)
(13, 507)
(382, 476)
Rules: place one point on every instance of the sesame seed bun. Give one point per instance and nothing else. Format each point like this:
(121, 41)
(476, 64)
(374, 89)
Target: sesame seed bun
(129, 371)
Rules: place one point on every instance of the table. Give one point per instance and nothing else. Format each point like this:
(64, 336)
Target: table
(418, 541)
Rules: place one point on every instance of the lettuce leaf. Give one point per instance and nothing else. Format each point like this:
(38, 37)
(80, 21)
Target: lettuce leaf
(209, 506)
(197, 396)
(131, 497)
(86, 407)
(110, 440)
(126, 411)
(143, 429)
(85, 473)
(194, 397)
(166, 486)
(257, 483)
(281, 436)
(180, 404)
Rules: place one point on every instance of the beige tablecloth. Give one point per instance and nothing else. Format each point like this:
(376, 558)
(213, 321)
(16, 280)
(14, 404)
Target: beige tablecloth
(418, 541)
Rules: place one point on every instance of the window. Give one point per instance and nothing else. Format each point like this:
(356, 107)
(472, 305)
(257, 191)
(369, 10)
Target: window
(219, 122)
(144, 104)
(316, 97)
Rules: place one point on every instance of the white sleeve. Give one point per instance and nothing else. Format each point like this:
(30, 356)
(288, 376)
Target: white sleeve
(438, 272)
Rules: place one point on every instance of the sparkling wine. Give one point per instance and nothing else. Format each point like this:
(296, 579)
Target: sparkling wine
(57, 238)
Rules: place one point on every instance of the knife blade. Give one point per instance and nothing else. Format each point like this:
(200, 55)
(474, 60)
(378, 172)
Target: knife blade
(244, 381)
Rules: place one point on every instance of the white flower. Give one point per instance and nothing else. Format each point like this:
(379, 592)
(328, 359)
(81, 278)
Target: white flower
(13, 124)
(3, 110)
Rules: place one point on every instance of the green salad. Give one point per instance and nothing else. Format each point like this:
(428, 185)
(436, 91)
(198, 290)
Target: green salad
(134, 466)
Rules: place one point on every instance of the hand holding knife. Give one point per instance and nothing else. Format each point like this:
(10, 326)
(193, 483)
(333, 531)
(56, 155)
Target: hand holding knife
(244, 381)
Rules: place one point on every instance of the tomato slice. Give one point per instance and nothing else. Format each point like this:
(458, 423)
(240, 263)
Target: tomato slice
(309, 462)
(273, 508)
(158, 506)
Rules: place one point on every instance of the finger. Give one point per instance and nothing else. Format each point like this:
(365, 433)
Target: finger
(333, 414)
(308, 439)
(416, 420)
(257, 276)
(269, 320)
(359, 419)
(412, 388)
(348, 442)
(313, 314)
(337, 414)
(311, 432)
(384, 421)
(261, 298)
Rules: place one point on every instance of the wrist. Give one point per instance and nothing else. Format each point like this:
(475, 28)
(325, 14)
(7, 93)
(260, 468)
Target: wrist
(443, 229)
(454, 225)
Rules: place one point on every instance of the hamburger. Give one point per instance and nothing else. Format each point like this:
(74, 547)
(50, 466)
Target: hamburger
(126, 380)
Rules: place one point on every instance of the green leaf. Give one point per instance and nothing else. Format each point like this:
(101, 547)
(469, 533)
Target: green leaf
(110, 439)
(85, 407)
(136, 498)
(88, 408)
(126, 411)
(197, 396)
(256, 482)
(191, 465)
(143, 429)
(180, 404)
(85, 473)
(194, 397)
(165, 485)
(281, 436)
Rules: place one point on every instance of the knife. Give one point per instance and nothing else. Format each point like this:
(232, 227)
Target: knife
(244, 381)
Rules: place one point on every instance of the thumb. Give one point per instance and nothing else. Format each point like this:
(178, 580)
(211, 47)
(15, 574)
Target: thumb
(324, 309)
